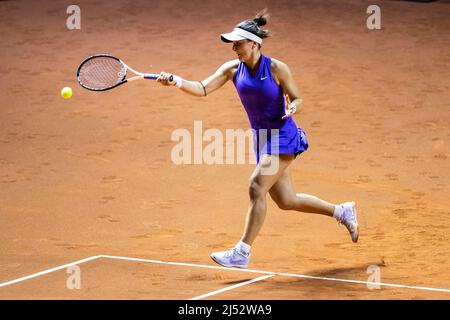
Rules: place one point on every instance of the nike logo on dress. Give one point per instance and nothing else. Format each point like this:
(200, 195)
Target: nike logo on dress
(264, 78)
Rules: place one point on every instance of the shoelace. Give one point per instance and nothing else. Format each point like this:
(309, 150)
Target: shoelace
(233, 252)
(230, 253)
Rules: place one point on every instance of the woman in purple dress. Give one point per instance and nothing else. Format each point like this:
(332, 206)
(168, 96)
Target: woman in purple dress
(270, 97)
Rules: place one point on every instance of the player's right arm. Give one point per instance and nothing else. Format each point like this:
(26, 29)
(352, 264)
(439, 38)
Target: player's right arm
(207, 86)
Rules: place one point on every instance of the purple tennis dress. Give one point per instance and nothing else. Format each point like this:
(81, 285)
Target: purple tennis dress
(264, 102)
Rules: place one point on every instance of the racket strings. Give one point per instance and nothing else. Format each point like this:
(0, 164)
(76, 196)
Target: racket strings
(101, 73)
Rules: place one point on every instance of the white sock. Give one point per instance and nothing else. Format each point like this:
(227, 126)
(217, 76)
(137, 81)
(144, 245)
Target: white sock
(243, 247)
(338, 210)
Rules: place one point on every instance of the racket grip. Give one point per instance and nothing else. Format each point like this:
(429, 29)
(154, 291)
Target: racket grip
(152, 76)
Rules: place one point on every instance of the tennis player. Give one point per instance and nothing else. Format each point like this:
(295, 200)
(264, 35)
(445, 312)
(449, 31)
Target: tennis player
(270, 97)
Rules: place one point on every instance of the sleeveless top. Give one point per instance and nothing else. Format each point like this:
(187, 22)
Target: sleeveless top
(263, 100)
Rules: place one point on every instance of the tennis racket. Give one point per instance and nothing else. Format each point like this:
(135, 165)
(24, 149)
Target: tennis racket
(103, 72)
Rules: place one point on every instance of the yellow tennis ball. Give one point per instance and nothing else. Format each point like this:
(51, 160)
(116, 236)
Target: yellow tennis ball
(66, 92)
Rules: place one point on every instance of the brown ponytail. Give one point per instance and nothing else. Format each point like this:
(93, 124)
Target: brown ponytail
(254, 25)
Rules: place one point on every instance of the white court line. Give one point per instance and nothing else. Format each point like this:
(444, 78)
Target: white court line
(283, 274)
(185, 264)
(222, 268)
(232, 287)
(364, 282)
(34, 275)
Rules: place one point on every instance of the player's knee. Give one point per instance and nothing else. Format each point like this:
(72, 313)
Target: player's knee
(285, 203)
(255, 190)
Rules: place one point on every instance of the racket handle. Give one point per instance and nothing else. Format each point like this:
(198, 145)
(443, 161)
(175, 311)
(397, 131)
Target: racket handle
(152, 76)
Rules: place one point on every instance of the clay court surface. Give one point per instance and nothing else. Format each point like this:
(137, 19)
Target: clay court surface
(93, 175)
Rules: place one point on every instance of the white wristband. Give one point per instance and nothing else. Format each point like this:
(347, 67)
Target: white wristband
(178, 81)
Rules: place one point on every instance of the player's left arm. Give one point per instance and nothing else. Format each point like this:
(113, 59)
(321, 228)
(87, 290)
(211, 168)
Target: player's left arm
(284, 76)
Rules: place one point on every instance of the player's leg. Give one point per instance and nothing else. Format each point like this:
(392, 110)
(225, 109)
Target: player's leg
(263, 178)
(260, 184)
(282, 192)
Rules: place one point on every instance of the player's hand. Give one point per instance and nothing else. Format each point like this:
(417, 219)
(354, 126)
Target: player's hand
(291, 108)
(164, 79)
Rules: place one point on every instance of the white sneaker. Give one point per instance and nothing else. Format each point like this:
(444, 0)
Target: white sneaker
(349, 219)
(231, 258)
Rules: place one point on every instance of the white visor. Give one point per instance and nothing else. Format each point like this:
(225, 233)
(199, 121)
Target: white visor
(240, 34)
